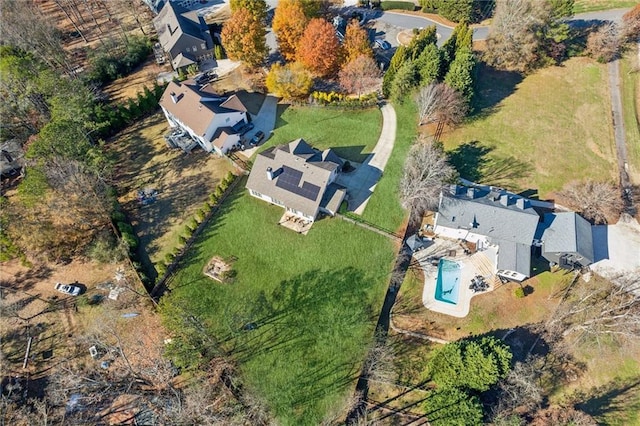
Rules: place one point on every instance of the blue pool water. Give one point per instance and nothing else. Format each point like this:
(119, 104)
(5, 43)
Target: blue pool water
(448, 282)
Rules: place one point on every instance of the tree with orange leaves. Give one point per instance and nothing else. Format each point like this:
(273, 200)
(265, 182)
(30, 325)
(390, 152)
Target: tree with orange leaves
(356, 42)
(288, 25)
(319, 49)
(243, 38)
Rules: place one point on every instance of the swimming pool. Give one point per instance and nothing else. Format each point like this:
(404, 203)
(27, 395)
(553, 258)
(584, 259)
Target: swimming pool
(448, 281)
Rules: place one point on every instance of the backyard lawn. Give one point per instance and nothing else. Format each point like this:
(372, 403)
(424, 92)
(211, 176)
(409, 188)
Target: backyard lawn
(311, 303)
(582, 6)
(352, 133)
(631, 110)
(538, 133)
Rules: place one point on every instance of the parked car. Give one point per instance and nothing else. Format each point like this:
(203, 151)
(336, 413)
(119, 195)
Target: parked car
(71, 290)
(382, 44)
(244, 129)
(257, 138)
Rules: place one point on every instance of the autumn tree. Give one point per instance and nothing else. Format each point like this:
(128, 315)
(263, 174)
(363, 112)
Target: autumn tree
(359, 74)
(289, 22)
(319, 49)
(631, 24)
(243, 37)
(596, 201)
(426, 172)
(603, 44)
(256, 8)
(289, 81)
(356, 42)
(527, 33)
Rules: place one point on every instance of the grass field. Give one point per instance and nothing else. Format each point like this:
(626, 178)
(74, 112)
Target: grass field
(630, 77)
(384, 207)
(539, 133)
(582, 6)
(313, 301)
(353, 133)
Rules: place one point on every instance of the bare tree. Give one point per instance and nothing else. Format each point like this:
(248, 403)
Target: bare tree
(604, 43)
(426, 171)
(521, 389)
(596, 201)
(360, 74)
(441, 104)
(631, 24)
(597, 308)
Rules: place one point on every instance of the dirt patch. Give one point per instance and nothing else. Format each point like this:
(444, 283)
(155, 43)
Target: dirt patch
(240, 79)
(218, 269)
(405, 37)
(129, 86)
(183, 182)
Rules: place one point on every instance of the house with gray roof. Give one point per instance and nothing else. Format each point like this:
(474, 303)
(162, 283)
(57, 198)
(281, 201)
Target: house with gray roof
(567, 240)
(490, 218)
(205, 117)
(299, 178)
(183, 34)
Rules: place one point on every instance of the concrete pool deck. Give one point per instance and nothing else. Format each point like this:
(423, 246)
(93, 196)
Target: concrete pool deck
(480, 263)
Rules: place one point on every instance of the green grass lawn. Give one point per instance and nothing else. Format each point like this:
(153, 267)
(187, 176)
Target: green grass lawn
(630, 104)
(539, 133)
(314, 300)
(384, 207)
(582, 6)
(352, 133)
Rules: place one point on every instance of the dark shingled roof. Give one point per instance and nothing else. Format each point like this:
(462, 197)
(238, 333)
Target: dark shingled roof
(567, 233)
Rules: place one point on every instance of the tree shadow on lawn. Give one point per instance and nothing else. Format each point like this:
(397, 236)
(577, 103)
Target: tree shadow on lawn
(492, 87)
(302, 322)
(472, 160)
(280, 110)
(613, 399)
(353, 153)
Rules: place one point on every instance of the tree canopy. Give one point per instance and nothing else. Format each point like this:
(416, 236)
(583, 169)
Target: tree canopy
(359, 74)
(450, 406)
(289, 22)
(243, 37)
(471, 364)
(289, 81)
(257, 8)
(356, 42)
(319, 49)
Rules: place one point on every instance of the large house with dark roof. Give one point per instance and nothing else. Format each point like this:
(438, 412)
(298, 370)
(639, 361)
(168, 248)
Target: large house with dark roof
(207, 118)
(491, 217)
(299, 178)
(183, 34)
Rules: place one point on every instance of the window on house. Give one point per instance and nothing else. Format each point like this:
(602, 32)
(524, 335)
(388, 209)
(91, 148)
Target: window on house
(188, 50)
(195, 49)
(203, 46)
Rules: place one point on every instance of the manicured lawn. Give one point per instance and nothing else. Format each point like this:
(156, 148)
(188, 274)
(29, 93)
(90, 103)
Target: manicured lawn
(353, 133)
(582, 6)
(631, 110)
(384, 207)
(313, 301)
(539, 133)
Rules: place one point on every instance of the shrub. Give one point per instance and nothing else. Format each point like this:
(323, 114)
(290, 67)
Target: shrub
(213, 199)
(206, 208)
(131, 241)
(218, 52)
(182, 240)
(161, 269)
(519, 292)
(199, 216)
(192, 225)
(403, 5)
(118, 216)
(168, 258)
(219, 192)
(124, 227)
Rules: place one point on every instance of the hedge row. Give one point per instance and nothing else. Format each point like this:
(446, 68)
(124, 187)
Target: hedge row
(129, 237)
(402, 5)
(340, 100)
(192, 224)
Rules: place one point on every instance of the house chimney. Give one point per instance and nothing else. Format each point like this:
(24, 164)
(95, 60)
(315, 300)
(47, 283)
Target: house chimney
(269, 173)
(504, 199)
(522, 203)
(174, 97)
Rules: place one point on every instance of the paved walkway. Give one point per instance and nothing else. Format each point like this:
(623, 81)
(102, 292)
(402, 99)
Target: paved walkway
(362, 182)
